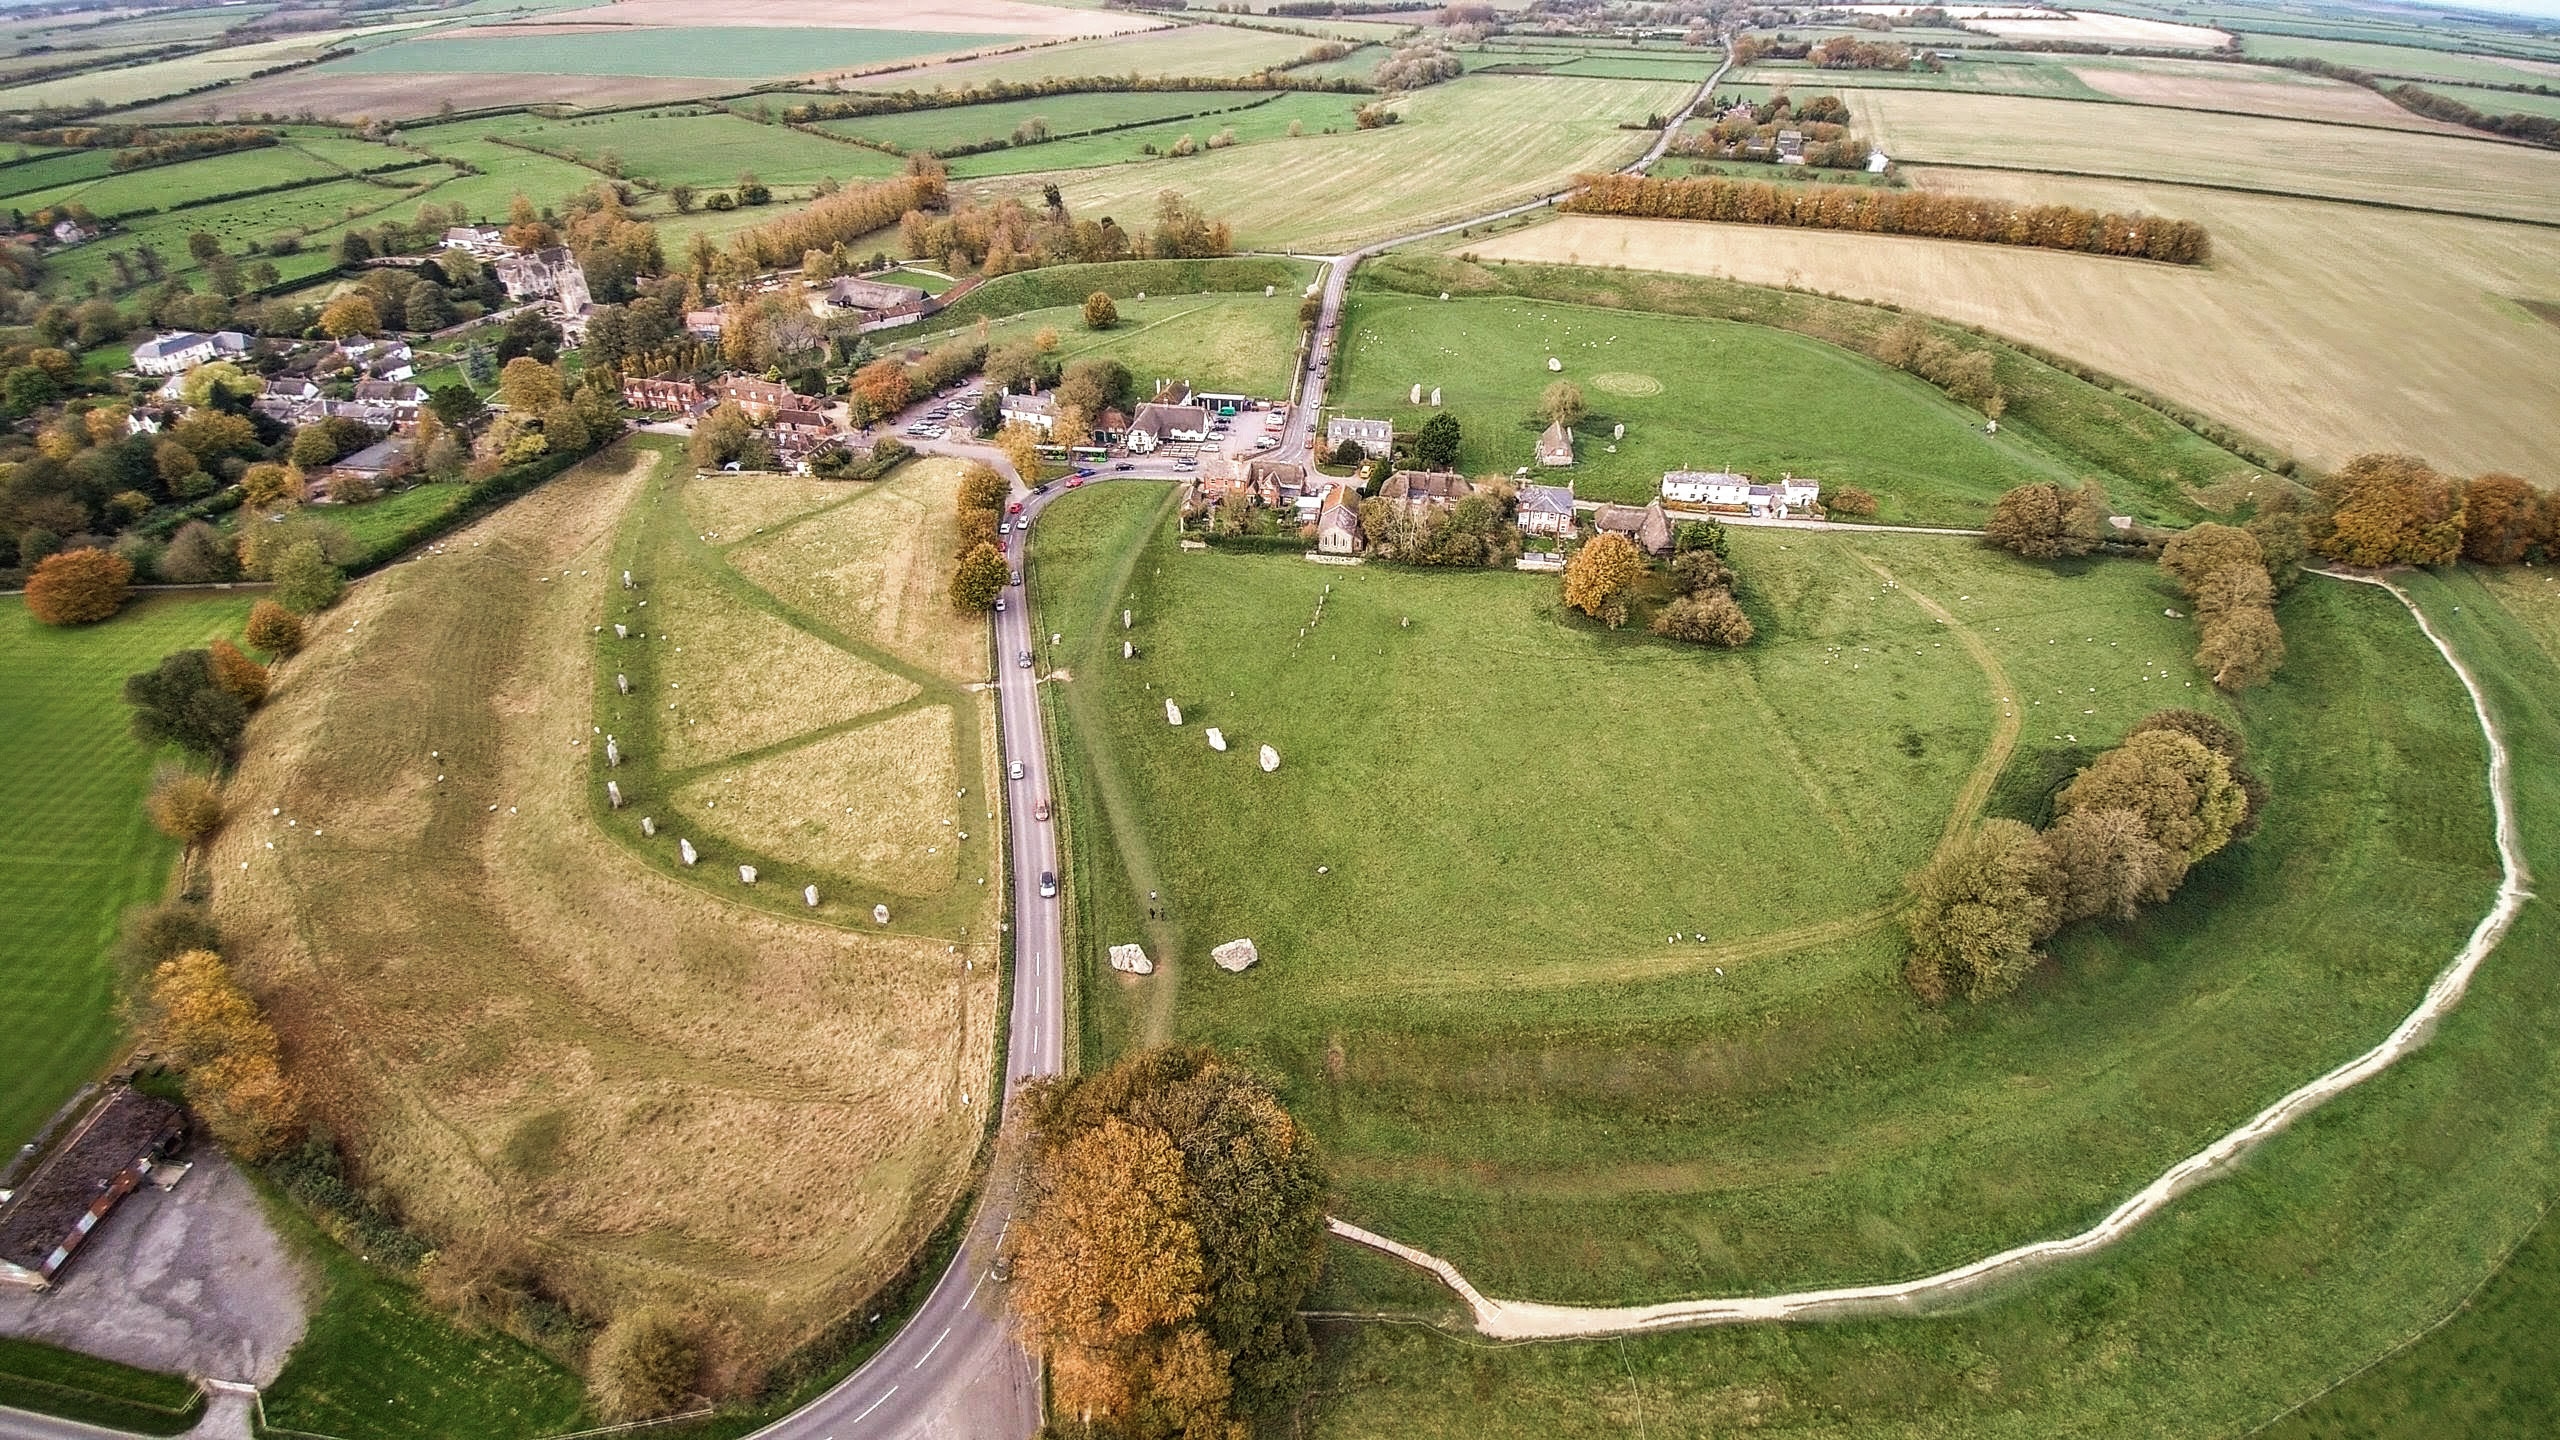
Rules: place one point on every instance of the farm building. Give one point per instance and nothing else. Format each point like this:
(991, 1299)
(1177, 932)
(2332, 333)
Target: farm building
(108, 1155)
(1555, 446)
(1546, 509)
(1338, 524)
(1375, 436)
(1649, 528)
(487, 241)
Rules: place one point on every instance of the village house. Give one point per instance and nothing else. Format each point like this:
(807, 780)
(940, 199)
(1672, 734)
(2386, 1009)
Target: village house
(551, 273)
(374, 463)
(852, 292)
(183, 350)
(1790, 147)
(1036, 410)
(758, 398)
(1707, 487)
(374, 359)
(704, 324)
(1555, 446)
(1157, 425)
(1260, 482)
(1422, 491)
(1546, 509)
(799, 429)
(1338, 523)
(486, 241)
(1649, 528)
(401, 399)
(1792, 494)
(1377, 437)
(72, 232)
(667, 394)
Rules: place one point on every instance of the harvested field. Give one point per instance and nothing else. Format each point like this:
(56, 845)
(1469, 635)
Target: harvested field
(1211, 50)
(738, 679)
(2258, 90)
(876, 570)
(134, 84)
(2405, 60)
(875, 802)
(1463, 148)
(2329, 329)
(335, 94)
(2442, 172)
(739, 54)
(520, 1019)
(967, 17)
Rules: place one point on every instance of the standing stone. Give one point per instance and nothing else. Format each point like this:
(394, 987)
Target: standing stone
(612, 751)
(1132, 960)
(879, 914)
(685, 849)
(613, 793)
(1128, 651)
(1172, 713)
(1217, 741)
(649, 827)
(746, 874)
(621, 631)
(1620, 433)
(622, 683)
(626, 579)
(1554, 364)
(1124, 619)
(1435, 397)
(1235, 956)
(1416, 397)
(811, 896)
(1270, 759)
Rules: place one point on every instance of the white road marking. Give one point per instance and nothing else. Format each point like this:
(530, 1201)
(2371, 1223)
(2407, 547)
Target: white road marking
(876, 1404)
(937, 1342)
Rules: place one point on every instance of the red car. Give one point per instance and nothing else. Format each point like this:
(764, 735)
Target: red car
(1014, 509)
(1076, 482)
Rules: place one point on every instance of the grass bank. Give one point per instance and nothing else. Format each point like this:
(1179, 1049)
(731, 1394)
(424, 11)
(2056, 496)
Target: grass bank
(52, 1381)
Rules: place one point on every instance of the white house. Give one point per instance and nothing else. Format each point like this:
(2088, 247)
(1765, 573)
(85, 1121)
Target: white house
(1157, 425)
(1040, 412)
(1338, 523)
(1375, 436)
(485, 240)
(1789, 494)
(1707, 487)
(183, 350)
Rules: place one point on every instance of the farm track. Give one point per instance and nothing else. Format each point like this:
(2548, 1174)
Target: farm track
(1521, 1320)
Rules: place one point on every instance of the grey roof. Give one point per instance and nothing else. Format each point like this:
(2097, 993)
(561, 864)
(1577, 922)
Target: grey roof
(1546, 499)
(161, 346)
(1343, 427)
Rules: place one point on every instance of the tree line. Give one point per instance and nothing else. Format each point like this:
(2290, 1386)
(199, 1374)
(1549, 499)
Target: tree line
(2128, 829)
(902, 102)
(1929, 213)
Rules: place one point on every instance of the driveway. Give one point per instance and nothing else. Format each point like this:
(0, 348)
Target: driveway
(192, 1281)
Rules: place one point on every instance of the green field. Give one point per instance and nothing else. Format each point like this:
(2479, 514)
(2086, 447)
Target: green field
(132, 85)
(1199, 115)
(959, 125)
(98, 1392)
(2501, 102)
(1464, 147)
(2008, 74)
(2402, 60)
(1693, 394)
(1235, 343)
(47, 171)
(1221, 51)
(168, 187)
(710, 52)
(316, 211)
(1066, 286)
(73, 778)
(1476, 1010)
(706, 149)
(2359, 1229)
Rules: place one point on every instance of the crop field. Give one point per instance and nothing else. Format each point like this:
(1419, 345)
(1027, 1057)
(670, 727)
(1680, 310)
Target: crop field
(1463, 147)
(168, 187)
(1245, 344)
(2004, 74)
(1693, 394)
(2355, 1231)
(2437, 172)
(1204, 117)
(134, 84)
(713, 52)
(2325, 329)
(1211, 50)
(344, 95)
(960, 125)
(74, 777)
(967, 17)
(704, 149)
(2258, 90)
(2407, 61)
(522, 1013)
(1483, 1022)
(2501, 102)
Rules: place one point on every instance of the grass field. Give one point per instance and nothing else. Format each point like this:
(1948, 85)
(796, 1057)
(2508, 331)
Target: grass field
(74, 777)
(133, 84)
(1313, 114)
(1464, 147)
(2426, 171)
(2405, 60)
(2358, 1230)
(2501, 102)
(2003, 74)
(959, 125)
(314, 211)
(1693, 394)
(711, 52)
(1480, 1016)
(2258, 90)
(2324, 329)
(703, 148)
(169, 187)
(50, 1381)
(1210, 50)
(1241, 343)
(463, 945)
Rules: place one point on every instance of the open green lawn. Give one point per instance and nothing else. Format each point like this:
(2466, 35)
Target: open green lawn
(72, 778)
(1239, 343)
(2404, 60)
(166, 187)
(2502, 102)
(60, 168)
(1207, 117)
(706, 149)
(1475, 1006)
(958, 125)
(2359, 1229)
(712, 52)
(316, 211)
(1693, 394)
(38, 1377)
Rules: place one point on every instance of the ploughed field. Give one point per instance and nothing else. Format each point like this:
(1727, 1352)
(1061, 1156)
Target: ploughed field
(1475, 1004)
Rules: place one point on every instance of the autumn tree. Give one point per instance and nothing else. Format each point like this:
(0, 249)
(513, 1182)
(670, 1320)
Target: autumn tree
(1021, 445)
(1848, 500)
(350, 315)
(1601, 575)
(978, 578)
(79, 587)
(981, 488)
(197, 554)
(184, 805)
(273, 629)
(645, 1364)
(2223, 571)
(1978, 912)
(721, 436)
(1709, 617)
(2389, 510)
(528, 386)
(238, 673)
(306, 583)
(180, 703)
(1561, 404)
(2200, 550)
(2105, 863)
(2044, 521)
(879, 390)
(2503, 517)
(2183, 792)
(1173, 1226)
(209, 1028)
(1099, 312)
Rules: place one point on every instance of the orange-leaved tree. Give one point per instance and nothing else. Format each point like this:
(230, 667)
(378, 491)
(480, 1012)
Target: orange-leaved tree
(210, 1029)
(2390, 510)
(273, 628)
(238, 673)
(1599, 577)
(79, 587)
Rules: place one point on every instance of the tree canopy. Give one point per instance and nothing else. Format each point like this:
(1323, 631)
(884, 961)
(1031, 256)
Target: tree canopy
(79, 587)
(1599, 577)
(179, 702)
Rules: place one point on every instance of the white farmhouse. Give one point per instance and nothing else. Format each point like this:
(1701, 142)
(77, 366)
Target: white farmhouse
(1706, 487)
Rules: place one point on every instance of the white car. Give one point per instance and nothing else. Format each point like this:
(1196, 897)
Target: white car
(1017, 770)
(999, 604)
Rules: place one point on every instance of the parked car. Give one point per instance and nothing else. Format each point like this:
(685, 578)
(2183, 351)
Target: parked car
(1004, 527)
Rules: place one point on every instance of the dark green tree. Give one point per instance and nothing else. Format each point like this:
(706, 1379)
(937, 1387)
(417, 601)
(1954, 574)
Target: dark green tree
(1435, 445)
(180, 703)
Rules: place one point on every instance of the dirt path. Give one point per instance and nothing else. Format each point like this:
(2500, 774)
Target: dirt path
(1532, 1320)
(2004, 735)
